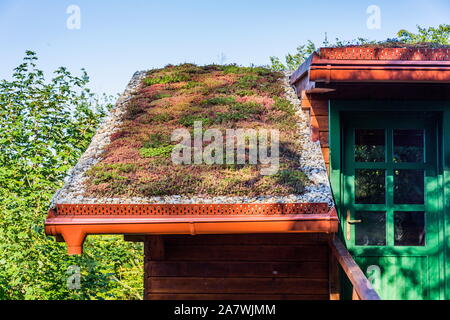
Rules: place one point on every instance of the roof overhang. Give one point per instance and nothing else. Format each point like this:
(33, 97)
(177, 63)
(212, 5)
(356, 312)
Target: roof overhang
(73, 222)
(328, 71)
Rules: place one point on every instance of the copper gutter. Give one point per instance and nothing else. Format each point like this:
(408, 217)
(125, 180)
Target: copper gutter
(74, 228)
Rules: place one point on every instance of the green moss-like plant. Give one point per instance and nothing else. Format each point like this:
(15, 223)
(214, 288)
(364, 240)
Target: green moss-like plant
(248, 81)
(167, 78)
(110, 172)
(192, 84)
(189, 119)
(161, 96)
(293, 179)
(284, 105)
(156, 152)
(219, 101)
(157, 140)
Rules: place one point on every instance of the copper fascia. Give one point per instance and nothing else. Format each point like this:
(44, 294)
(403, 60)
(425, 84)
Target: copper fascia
(74, 228)
(379, 71)
(357, 70)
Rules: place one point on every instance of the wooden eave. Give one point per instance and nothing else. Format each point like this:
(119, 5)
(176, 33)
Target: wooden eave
(73, 222)
(328, 71)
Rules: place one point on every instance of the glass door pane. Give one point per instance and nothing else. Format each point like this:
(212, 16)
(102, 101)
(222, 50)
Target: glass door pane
(372, 229)
(370, 145)
(409, 228)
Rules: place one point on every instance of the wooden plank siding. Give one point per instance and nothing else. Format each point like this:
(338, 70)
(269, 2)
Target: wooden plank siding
(237, 267)
(317, 109)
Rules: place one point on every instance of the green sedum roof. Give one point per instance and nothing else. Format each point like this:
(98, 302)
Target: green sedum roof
(131, 156)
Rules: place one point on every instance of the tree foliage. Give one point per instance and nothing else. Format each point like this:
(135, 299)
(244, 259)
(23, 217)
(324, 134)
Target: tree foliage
(438, 35)
(293, 61)
(44, 128)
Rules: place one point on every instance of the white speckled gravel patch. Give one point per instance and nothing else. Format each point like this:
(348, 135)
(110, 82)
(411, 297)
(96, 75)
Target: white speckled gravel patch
(311, 163)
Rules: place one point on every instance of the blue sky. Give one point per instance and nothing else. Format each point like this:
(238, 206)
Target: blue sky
(117, 38)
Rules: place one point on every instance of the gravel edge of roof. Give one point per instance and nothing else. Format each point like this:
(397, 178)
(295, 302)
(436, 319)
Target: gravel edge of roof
(75, 176)
(311, 163)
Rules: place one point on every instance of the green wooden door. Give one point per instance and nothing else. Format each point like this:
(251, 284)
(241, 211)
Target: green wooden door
(391, 208)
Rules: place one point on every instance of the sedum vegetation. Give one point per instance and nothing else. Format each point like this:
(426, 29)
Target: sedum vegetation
(220, 97)
(44, 128)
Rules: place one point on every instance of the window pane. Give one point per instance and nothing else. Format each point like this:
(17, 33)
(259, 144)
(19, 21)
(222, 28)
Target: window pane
(409, 228)
(408, 145)
(372, 229)
(408, 187)
(370, 186)
(369, 145)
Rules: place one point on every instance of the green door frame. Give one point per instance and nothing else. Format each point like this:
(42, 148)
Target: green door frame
(337, 107)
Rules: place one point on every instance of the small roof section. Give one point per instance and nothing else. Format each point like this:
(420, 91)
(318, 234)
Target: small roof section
(127, 182)
(129, 159)
(424, 63)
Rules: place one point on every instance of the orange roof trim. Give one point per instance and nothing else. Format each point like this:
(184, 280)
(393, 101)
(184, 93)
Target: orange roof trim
(360, 64)
(73, 222)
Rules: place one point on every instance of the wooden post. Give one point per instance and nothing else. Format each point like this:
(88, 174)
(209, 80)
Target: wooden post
(334, 281)
(146, 267)
(362, 289)
(153, 251)
(355, 295)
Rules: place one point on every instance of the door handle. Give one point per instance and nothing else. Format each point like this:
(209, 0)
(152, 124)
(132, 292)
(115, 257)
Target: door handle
(349, 223)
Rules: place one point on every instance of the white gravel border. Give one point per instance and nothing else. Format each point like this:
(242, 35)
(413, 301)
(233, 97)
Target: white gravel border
(311, 163)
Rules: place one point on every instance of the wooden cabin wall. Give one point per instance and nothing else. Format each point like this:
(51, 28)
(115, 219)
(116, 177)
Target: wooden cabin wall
(317, 108)
(237, 267)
